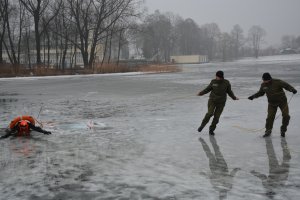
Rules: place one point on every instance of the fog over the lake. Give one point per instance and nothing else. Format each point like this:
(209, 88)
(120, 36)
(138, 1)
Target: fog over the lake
(277, 17)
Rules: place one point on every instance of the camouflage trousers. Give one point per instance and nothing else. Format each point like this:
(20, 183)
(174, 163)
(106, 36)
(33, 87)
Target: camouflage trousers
(214, 109)
(272, 109)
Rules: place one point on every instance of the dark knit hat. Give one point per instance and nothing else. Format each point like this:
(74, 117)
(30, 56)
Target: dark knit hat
(220, 74)
(267, 76)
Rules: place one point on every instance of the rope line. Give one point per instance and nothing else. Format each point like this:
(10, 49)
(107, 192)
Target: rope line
(259, 130)
(38, 122)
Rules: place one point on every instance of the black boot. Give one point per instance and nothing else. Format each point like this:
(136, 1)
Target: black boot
(267, 133)
(283, 130)
(211, 132)
(200, 128)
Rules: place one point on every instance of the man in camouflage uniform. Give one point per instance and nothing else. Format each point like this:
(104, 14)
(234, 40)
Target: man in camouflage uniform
(218, 88)
(273, 88)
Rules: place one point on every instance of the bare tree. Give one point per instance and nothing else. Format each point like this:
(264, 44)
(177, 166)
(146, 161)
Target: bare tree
(290, 41)
(286, 41)
(256, 36)
(13, 25)
(111, 38)
(157, 37)
(38, 8)
(27, 43)
(2, 27)
(226, 46)
(62, 32)
(188, 36)
(212, 34)
(122, 41)
(238, 39)
(94, 19)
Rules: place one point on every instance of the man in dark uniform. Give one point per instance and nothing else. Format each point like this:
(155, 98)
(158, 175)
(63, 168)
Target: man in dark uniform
(218, 88)
(273, 88)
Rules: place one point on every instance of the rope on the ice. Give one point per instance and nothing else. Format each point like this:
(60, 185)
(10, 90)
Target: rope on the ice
(40, 123)
(248, 129)
(285, 106)
(261, 129)
(40, 111)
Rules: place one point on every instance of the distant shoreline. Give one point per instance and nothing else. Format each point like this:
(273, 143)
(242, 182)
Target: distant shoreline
(8, 71)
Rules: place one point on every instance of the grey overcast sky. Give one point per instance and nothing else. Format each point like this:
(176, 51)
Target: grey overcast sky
(277, 17)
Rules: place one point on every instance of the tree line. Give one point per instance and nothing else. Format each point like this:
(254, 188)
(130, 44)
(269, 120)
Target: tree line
(165, 34)
(40, 27)
(33, 31)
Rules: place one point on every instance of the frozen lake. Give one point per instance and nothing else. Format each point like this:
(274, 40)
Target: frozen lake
(134, 136)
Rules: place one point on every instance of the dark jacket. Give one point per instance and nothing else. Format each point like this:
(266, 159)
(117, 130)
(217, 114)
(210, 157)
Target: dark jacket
(219, 90)
(274, 91)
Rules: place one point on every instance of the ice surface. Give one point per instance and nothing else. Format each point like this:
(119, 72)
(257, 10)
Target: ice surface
(133, 136)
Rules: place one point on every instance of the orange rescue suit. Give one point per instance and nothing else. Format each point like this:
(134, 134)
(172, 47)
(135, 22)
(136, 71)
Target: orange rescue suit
(17, 120)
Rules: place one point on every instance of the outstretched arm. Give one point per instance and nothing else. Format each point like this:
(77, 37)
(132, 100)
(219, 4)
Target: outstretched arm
(6, 135)
(260, 93)
(288, 87)
(259, 175)
(230, 93)
(206, 90)
(8, 132)
(38, 129)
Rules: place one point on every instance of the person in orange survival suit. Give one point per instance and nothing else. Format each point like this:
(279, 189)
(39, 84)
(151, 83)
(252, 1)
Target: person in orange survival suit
(21, 126)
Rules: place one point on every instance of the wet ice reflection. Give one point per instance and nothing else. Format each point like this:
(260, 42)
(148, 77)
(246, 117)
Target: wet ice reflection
(278, 173)
(220, 177)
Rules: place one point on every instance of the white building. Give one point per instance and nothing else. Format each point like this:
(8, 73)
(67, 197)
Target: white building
(189, 59)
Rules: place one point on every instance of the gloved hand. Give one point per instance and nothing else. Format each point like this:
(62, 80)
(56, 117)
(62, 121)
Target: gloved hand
(295, 92)
(200, 94)
(250, 98)
(47, 133)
